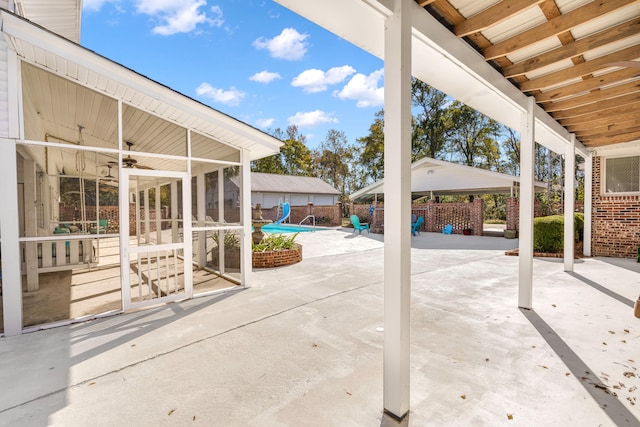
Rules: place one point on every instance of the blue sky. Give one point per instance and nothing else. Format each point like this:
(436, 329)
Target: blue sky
(251, 59)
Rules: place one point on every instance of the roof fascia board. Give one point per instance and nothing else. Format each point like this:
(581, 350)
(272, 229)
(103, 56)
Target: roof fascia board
(14, 26)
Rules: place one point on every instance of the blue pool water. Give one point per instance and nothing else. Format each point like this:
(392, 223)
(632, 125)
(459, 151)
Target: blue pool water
(282, 228)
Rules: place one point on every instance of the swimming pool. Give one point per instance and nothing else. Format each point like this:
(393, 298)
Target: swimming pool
(282, 228)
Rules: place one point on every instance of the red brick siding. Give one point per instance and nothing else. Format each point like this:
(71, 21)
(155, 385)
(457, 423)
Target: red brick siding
(436, 215)
(325, 215)
(616, 221)
(277, 258)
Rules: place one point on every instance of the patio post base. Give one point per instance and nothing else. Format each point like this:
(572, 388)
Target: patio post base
(395, 417)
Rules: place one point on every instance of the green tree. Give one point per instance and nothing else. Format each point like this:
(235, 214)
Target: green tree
(473, 138)
(332, 161)
(372, 150)
(430, 125)
(294, 157)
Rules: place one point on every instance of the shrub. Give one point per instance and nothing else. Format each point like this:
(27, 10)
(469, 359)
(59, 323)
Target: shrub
(548, 232)
(275, 242)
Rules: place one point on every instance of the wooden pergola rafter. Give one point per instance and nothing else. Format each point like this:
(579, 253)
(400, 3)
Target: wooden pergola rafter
(589, 82)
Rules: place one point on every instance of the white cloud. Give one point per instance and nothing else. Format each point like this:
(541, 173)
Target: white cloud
(265, 77)
(95, 5)
(229, 97)
(364, 89)
(314, 80)
(179, 16)
(289, 44)
(265, 123)
(311, 118)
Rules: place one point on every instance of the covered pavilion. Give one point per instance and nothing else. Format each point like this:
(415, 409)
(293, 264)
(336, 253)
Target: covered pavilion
(561, 73)
(433, 177)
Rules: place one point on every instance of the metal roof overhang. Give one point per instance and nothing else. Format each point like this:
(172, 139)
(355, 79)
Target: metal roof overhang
(439, 58)
(64, 58)
(445, 178)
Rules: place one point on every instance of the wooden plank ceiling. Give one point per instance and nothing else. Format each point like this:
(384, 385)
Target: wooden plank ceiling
(580, 59)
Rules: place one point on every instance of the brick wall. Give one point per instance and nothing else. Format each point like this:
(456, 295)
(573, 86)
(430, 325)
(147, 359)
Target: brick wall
(277, 258)
(111, 213)
(616, 221)
(461, 216)
(325, 215)
(513, 211)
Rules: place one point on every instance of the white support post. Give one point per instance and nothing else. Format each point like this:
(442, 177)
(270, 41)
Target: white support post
(397, 214)
(588, 202)
(147, 216)
(9, 226)
(174, 212)
(245, 211)
(525, 246)
(221, 215)
(569, 202)
(201, 214)
(158, 208)
(31, 230)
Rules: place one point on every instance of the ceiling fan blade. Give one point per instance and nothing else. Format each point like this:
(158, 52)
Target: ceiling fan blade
(143, 167)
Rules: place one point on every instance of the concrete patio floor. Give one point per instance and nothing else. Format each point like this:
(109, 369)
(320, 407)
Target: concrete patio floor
(303, 346)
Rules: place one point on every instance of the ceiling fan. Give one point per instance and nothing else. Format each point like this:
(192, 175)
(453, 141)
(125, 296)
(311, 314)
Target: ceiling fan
(129, 162)
(109, 177)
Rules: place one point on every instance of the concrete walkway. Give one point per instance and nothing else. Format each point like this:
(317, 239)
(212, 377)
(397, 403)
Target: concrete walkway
(303, 346)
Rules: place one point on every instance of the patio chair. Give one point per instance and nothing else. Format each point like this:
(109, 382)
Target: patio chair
(357, 225)
(415, 227)
(448, 229)
(101, 228)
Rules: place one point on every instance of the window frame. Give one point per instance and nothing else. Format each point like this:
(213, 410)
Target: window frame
(603, 177)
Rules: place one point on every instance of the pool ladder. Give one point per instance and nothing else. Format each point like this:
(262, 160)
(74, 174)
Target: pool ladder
(313, 222)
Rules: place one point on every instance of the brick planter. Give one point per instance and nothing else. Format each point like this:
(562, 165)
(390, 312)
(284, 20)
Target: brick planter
(277, 258)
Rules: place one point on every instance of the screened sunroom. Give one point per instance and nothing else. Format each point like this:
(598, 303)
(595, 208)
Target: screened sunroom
(119, 188)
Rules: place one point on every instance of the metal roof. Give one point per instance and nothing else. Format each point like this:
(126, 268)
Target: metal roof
(576, 57)
(445, 178)
(273, 183)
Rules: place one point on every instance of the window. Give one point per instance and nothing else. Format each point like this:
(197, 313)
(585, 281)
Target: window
(622, 175)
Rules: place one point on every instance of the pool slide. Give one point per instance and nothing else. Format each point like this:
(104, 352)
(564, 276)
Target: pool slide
(286, 211)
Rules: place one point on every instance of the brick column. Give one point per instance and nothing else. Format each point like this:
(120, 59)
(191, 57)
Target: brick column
(513, 207)
(429, 218)
(477, 218)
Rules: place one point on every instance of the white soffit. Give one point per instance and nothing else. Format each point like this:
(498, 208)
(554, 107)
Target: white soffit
(93, 71)
(440, 59)
(63, 17)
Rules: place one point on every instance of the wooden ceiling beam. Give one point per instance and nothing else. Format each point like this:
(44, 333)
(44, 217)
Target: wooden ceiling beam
(555, 26)
(613, 97)
(591, 97)
(448, 11)
(607, 134)
(579, 70)
(619, 32)
(623, 117)
(452, 15)
(493, 15)
(599, 108)
(616, 139)
(587, 85)
(611, 115)
(615, 128)
(423, 3)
